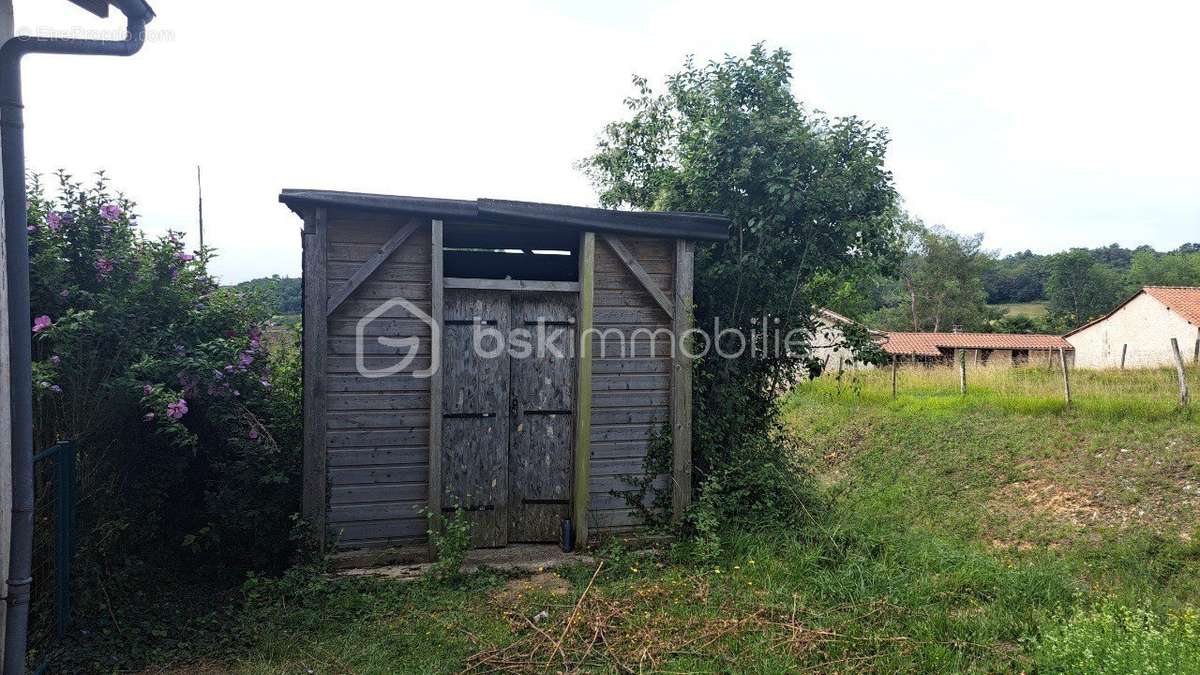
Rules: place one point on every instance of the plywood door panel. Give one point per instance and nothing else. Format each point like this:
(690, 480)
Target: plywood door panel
(475, 417)
(542, 428)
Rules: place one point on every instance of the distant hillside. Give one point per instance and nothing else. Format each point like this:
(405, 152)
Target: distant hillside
(1022, 277)
(284, 292)
(946, 279)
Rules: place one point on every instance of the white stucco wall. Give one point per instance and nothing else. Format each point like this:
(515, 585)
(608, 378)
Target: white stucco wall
(1146, 325)
(835, 359)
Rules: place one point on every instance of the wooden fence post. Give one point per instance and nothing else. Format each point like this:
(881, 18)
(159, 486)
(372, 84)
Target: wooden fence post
(1196, 352)
(1062, 360)
(895, 364)
(1124, 347)
(1183, 388)
(962, 372)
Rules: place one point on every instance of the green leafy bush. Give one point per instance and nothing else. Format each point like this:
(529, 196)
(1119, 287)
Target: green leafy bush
(185, 411)
(1112, 638)
(451, 539)
(809, 198)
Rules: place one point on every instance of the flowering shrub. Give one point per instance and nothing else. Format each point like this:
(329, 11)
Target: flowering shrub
(188, 440)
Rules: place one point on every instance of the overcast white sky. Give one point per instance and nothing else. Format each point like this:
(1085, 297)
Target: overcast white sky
(1043, 125)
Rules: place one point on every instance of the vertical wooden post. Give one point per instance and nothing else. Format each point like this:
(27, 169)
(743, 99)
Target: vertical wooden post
(583, 389)
(1062, 360)
(1124, 349)
(1183, 387)
(962, 372)
(436, 310)
(681, 383)
(895, 365)
(1196, 352)
(314, 336)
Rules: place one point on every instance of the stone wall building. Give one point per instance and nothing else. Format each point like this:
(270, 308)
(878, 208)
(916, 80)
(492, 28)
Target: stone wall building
(1137, 334)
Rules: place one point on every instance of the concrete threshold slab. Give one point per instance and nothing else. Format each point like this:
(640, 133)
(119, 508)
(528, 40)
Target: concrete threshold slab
(516, 557)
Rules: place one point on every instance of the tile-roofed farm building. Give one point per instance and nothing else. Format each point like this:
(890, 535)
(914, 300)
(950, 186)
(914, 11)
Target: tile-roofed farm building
(981, 348)
(1138, 332)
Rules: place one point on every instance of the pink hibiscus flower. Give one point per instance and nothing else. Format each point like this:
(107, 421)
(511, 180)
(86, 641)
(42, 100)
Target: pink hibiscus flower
(42, 323)
(177, 409)
(110, 212)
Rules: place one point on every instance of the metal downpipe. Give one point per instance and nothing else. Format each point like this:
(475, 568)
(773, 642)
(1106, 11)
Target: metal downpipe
(12, 156)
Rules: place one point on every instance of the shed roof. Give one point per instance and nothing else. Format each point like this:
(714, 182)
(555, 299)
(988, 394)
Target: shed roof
(674, 224)
(1183, 300)
(931, 344)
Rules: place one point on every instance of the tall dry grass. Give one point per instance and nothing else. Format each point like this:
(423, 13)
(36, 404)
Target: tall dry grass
(1143, 392)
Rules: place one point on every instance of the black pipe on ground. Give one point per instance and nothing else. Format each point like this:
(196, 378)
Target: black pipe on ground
(12, 158)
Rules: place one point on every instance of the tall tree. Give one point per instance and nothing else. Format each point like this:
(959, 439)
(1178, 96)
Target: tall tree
(1080, 288)
(806, 194)
(1018, 277)
(1179, 268)
(941, 282)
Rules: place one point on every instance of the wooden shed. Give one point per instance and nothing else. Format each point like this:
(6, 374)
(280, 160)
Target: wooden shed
(408, 412)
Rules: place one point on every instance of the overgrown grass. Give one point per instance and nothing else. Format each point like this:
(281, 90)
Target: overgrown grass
(851, 601)
(977, 533)
(1113, 638)
(1033, 389)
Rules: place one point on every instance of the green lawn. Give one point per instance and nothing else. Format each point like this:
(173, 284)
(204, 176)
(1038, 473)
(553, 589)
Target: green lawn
(995, 532)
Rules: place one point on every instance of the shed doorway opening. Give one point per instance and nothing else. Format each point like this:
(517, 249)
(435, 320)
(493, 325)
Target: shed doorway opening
(477, 251)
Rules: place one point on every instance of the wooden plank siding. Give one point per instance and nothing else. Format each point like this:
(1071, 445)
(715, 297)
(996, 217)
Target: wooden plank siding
(377, 430)
(556, 437)
(631, 381)
(377, 434)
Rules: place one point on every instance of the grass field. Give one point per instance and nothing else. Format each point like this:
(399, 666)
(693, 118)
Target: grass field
(999, 531)
(1035, 310)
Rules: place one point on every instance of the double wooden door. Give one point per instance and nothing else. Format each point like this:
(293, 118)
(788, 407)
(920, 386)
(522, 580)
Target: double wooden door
(508, 412)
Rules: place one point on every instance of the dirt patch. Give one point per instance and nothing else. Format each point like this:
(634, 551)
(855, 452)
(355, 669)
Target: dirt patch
(543, 582)
(1042, 497)
(1011, 544)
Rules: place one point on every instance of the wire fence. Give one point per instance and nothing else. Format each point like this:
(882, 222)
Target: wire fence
(1039, 379)
(53, 530)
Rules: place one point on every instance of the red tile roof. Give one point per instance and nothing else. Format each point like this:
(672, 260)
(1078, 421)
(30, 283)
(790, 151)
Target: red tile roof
(1183, 300)
(927, 344)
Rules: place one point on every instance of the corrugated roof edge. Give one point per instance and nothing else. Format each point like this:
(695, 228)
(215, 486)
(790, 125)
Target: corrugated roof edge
(652, 223)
